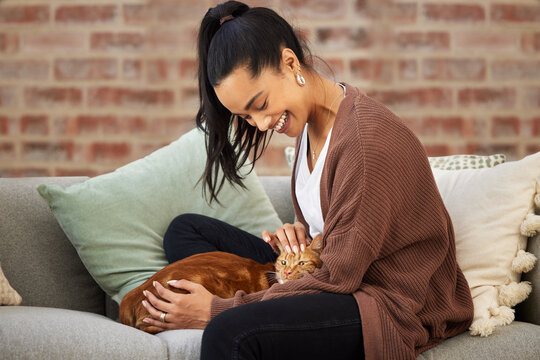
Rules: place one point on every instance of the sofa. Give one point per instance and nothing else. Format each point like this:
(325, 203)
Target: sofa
(65, 314)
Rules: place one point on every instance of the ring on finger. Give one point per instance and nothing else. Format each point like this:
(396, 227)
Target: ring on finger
(162, 317)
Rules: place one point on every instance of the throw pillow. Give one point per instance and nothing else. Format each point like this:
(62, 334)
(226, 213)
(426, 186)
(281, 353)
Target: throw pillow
(452, 162)
(8, 295)
(488, 207)
(117, 221)
(465, 161)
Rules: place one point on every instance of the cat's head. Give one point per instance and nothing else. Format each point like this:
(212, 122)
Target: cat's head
(291, 266)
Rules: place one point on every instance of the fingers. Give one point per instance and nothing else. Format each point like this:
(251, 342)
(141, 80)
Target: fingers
(185, 284)
(301, 235)
(287, 238)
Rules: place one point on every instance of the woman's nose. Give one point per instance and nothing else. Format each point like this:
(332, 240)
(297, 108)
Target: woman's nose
(263, 122)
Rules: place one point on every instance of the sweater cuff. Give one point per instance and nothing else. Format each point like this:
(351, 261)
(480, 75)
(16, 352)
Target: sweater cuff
(219, 304)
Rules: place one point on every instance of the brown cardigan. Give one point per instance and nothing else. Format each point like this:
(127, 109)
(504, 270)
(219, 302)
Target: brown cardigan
(388, 238)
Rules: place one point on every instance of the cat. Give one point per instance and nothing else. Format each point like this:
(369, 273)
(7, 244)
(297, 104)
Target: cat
(222, 274)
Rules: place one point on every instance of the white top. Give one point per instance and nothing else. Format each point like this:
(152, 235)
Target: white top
(308, 185)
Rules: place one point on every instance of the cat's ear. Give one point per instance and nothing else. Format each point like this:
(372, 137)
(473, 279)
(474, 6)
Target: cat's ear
(317, 244)
(280, 248)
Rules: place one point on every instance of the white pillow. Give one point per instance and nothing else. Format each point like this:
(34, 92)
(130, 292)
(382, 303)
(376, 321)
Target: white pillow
(487, 207)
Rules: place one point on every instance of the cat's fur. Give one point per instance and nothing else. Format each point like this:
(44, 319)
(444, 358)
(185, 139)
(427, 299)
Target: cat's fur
(222, 274)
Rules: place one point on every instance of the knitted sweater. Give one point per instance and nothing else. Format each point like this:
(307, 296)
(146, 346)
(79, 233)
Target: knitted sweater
(388, 238)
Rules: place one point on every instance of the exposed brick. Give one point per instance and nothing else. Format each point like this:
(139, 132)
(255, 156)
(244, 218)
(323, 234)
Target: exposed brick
(127, 97)
(165, 11)
(34, 125)
(490, 98)
(9, 172)
(408, 69)
(532, 149)
(171, 39)
(8, 96)
(459, 13)
(422, 41)
(132, 69)
(7, 151)
(189, 98)
(332, 68)
(404, 13)
(84, 14)
(38, 14)
(497, 41)
(376, 70)
(342, 38)
(9, 43)
(136, 125)
(47, 41)
(110, 152)
(454, 69)
(532, 97)
(85, 69)
(505, 126)
(515, 13)
(4, 125)
(437, 149)
(316, 9)
(119, 42)
(44, 97)
(188, 68)
(515, 70)
(510, 150)
(530, 42)
(88, 125)
(47, 151)
(159, 70)
(535, 128)
(24, 69)
(414, 98)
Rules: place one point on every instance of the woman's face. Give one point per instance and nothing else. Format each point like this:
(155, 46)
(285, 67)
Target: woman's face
(273, 100)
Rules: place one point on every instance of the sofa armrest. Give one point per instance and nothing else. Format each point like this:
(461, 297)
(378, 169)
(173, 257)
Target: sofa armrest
(37, 258)
(529, 310)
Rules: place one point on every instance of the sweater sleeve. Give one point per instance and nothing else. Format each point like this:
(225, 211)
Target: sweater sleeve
(354, 229)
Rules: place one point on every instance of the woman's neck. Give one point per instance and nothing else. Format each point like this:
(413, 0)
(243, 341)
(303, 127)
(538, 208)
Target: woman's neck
(327, 96)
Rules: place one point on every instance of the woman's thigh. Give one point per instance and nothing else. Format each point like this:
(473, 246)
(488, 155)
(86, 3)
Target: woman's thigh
(313, 326)
(190, 234)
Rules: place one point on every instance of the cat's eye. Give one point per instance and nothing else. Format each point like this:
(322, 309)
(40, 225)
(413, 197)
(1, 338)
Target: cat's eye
(302, 263)
(283, 262)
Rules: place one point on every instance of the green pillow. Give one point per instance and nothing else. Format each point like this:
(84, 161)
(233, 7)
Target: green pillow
(452, 162)
(116, 221)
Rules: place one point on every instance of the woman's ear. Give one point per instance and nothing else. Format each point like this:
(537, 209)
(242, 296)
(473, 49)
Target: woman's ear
(289, 60)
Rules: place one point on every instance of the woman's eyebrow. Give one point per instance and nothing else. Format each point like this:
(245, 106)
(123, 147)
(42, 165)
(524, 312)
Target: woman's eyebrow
(252, 100)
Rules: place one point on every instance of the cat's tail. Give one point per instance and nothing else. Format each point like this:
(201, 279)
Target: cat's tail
(127, 310)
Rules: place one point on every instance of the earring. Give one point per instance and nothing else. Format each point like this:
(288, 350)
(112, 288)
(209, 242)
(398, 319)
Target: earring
(300, 79)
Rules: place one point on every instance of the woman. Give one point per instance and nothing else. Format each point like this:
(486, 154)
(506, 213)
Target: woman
(389, 287)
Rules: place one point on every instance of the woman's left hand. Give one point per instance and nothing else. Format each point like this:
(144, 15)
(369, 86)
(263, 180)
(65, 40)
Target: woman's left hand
(182, 311)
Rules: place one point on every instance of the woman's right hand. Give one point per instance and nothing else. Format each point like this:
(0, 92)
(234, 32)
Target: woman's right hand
(289, 237)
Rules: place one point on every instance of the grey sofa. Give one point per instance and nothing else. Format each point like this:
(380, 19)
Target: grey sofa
(65, 315)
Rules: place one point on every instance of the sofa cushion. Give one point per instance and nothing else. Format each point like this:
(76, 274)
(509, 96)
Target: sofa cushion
(183, 344)
(518, 340)
(117, 221)
(37, 258)
(47, 333)
(487, 208)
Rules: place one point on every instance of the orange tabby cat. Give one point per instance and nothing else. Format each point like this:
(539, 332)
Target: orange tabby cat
(222, 274)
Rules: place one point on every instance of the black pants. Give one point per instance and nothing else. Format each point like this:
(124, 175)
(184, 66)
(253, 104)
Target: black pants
(314, 326)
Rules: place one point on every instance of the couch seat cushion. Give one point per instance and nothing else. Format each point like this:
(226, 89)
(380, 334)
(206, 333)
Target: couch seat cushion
(49, 333)
(518, 340)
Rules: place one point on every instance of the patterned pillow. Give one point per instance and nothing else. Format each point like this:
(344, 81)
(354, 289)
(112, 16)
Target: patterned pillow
(452, 162)
(461, 162)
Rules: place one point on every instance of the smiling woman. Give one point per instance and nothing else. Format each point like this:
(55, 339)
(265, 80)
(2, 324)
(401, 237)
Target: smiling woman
(389, 286)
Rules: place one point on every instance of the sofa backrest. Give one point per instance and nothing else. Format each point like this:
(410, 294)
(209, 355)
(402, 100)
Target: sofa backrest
(36, 257)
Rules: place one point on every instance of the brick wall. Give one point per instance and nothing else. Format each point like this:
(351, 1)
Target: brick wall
(89, 85)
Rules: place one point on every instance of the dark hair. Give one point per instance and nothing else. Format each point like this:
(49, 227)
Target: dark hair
(253, 37)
